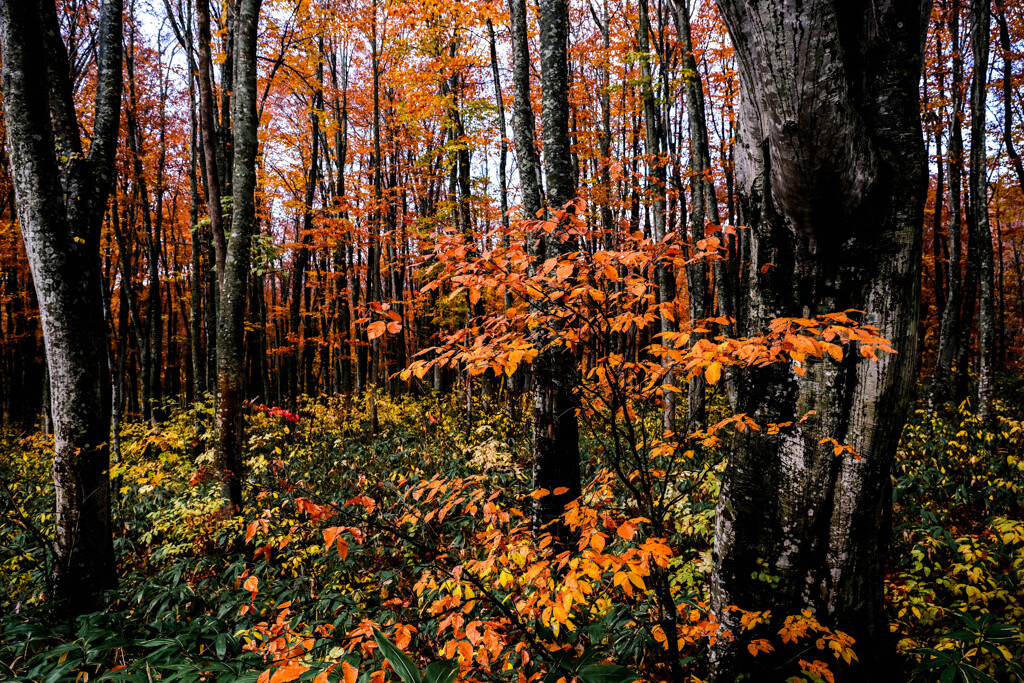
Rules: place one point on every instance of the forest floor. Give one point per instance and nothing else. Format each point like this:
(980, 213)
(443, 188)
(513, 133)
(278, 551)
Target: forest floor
(423, 532)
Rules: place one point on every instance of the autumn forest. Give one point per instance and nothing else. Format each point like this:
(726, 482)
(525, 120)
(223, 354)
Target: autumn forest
(525, 341)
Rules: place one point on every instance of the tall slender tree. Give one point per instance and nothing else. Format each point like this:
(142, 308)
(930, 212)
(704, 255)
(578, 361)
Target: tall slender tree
(231, 311)
(980, 242)
(556, 460)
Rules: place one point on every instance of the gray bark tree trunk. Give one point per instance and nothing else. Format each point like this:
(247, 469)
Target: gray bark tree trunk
(556, 460)
(831, 173)
(61, 199)
(228, 421)
(523, 134)
(981, 232)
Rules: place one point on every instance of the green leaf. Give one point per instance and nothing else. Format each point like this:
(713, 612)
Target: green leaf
(606, 673)
(398, 660)
(444, 671)
(220, 645)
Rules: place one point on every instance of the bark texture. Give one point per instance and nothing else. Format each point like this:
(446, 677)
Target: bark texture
(62, 195)
(556, 459)
(231, 311)
(980, 230)
(831, 174)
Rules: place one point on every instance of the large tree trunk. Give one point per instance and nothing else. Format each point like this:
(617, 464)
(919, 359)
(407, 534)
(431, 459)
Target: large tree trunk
(231, 312)
(61, 198)
(831, 172)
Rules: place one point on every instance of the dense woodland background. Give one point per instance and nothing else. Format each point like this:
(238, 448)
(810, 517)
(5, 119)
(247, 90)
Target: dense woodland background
(471, 261)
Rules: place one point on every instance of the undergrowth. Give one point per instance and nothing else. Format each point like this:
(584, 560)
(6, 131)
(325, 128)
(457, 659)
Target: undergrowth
(419, 541)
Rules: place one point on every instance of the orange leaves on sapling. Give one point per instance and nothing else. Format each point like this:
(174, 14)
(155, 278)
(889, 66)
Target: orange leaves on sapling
(332, 534)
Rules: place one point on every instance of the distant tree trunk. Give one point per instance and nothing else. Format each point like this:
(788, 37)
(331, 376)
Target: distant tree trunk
(938, 255)
(342, 255)
(228, 422)
(61, 199)
(523, 135)
(208, 128)
(302, 253)
(556, 460)
(831, 172)
(949, 328)
(1008, 90)
(981, 232)
(657, 186)
(704, 203)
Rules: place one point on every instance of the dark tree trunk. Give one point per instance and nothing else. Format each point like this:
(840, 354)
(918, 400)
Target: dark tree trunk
(302, 253)
(831, 172)
(950, 328)
(704, 203)
(523, 135)
(1007, 49)
(231, 311)
(208, 131)
(656, 143)
(981, 232)
(556, 460)
(61, 199)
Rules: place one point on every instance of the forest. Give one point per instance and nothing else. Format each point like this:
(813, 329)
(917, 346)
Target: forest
(524, 341)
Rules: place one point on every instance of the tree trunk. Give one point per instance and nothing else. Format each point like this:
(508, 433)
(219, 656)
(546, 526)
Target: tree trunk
(61, 199)
(523, 135)
(981, 233)
(831, 172)
(228, 420)
(949, 328)
(556, 460)
(657, 186)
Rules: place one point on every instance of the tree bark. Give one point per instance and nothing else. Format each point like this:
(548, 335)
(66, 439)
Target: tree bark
(523, 134)
(556, 460)
(229, 425)
(61, 198)
(831, 172)
(981, 232)
(949, 328)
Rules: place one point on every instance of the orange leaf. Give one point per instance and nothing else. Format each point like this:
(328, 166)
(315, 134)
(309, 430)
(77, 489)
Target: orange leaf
(626, 530)
(540, 493)
(322, 676)
(288, 672)
(713, 372)
(250, 531)
(349, 672)
(561, 491)
(374, 330)
(251, 585)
